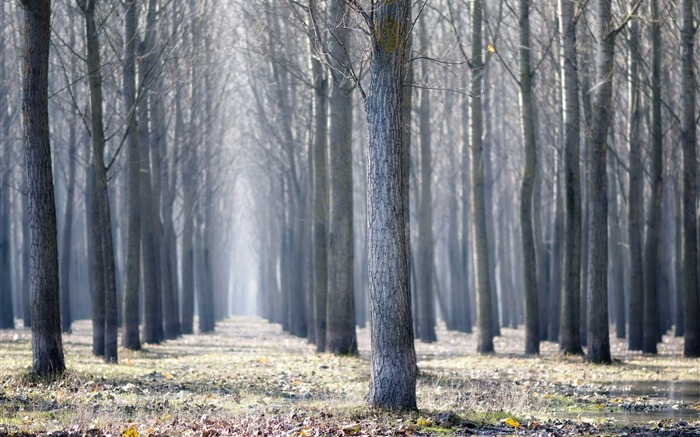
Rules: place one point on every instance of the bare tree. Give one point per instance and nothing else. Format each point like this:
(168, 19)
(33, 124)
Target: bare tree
(47, 345)
(393, 360)
(690, 234)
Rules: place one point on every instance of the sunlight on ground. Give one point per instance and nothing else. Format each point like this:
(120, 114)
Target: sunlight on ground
(250, 376)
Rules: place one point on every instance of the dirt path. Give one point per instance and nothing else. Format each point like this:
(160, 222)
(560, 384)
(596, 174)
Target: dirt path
(249, 378)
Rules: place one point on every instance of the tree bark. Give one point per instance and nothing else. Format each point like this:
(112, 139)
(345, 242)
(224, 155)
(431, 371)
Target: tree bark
(532, 337)
(635, 203)
(598, 335)
(570, 319)
(691, 307)
(651, 251)
(67, 234)
(131, 309)
(483, 280)
(393, 358)
(464, 322)
(101, 195)
(321, 200)
(425, 253)
(47, 345)
(340, 329)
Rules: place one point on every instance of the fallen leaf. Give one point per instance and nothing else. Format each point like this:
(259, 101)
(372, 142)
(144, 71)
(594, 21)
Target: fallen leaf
(512, 422)
(130, 432)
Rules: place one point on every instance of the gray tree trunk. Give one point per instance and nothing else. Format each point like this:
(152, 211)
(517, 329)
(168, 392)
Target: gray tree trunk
(321, 200)
(131, 309)
(150, 265)
(425, 254)
(598, 335)
(483, 280)
(47, 345)
(464, 322)
(67, 234)
(7, 317)
(532, 336)
(691, 307)
(635, 202)
(651, 251)
(393, 357)
(340, 328)
(569, 337)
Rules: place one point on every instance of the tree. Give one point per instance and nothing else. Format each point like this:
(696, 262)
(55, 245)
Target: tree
(7, 317)
(483, 280)
(532, 337)
(320, 193)
(101, 195)
(393, 357)
(569, 338)
(47, 344)
(425, 253)
(130, 336)
(635, 203)
(340, 325)
(691, 309)
(651, 255)
(598, 335)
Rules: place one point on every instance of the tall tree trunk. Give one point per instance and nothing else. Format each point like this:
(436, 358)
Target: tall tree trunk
(393, 357)
(635, 202)
(532, 337)
(598, 335)
(340, 329)
(7, 317)
(96, 257)
(67, 234)
(150, 266)
(131, 310)
(321, 199)
(483, 281)
(691, 308)
(101, 194)
(651, 251)
(556, 264)
(425, 253)
(464, 323)
(47, 345)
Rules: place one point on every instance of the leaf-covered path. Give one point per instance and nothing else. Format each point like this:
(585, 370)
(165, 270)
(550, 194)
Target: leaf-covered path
(249, 378)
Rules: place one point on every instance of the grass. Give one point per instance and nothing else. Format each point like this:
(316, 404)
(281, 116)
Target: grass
(250, 377)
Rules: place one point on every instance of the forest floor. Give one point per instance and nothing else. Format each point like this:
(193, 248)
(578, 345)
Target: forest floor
(250, 378)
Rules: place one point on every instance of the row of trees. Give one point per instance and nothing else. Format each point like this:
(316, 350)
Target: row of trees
(139, 170)
(589, 236)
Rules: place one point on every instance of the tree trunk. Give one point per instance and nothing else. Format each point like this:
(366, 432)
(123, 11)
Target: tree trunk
(393, 358)
(101, 194)
(598, 335)
(321, 200)
(47, 345)
(340, 329)
(532, 337)
(131, 312)
(556, 264)
(425, 254)
(635, 202)
(464, 322)
(66, 240)
(150, 266)
(651, 251)
(691, 308)
(7, 317)
(483, 281)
